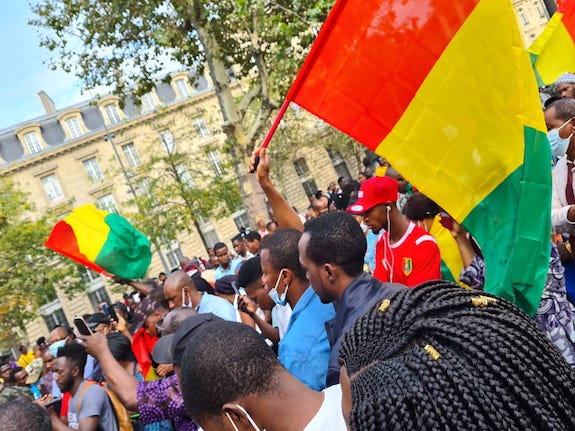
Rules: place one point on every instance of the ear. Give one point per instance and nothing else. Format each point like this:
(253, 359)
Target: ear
(330, 271)
(237, 416)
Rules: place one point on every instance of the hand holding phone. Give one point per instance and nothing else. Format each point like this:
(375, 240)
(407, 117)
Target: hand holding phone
(82, 326)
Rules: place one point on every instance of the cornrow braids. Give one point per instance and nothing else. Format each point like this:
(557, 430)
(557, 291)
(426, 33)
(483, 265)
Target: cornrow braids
(441, 357)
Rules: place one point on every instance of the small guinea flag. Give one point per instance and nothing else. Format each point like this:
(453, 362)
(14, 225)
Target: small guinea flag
(104, 242)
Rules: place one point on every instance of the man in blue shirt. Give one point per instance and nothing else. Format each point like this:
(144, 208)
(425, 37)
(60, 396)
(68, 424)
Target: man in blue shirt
(227, 265)
(180, 291)
(304, 350)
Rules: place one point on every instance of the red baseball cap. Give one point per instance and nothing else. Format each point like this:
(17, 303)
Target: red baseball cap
(374, 191)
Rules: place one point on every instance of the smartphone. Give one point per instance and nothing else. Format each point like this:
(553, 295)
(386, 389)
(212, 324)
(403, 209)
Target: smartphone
(112, 313)
(82, 326)
(43, 389)
(446, 220)
(56, 404)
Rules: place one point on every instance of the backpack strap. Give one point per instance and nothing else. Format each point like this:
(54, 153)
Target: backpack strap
(84, 388)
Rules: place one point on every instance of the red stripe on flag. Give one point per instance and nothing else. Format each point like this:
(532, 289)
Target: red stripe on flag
(63, 240)
(567, 8)
(370, 59)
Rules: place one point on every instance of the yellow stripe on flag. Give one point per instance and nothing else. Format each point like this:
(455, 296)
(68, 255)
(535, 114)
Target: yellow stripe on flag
(554, 50)
(451, 111)
(90, 229)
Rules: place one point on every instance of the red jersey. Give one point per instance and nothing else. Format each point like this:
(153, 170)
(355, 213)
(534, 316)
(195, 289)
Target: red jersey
(414, 258)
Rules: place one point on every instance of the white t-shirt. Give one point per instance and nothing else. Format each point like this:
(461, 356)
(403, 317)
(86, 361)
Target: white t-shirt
(329, 416)
(281, 314)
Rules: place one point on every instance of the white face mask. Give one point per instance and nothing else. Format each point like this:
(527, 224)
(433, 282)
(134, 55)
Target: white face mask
(184, 305)
(55, 346)
(273, 293)
(250, 420)
(558, 144)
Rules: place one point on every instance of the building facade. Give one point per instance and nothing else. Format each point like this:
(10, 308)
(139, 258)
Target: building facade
(93, 152)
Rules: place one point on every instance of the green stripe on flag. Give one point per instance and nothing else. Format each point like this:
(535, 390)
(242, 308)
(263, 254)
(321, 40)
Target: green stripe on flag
(446, 272)
(126, 252)
(516, 240)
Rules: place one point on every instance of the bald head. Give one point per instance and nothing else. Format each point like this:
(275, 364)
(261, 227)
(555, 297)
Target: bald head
(59, 333)
(175, 317)
(177, 285)
(401, 182)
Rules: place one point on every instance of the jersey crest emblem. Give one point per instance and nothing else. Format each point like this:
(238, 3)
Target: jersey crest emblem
(407, 266)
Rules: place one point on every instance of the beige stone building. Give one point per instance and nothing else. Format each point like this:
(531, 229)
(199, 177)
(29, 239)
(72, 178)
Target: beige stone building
(75, 155)
(532, 16)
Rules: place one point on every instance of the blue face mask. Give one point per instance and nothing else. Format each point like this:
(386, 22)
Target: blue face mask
(558, 144)
(55, 346)
(273, 293)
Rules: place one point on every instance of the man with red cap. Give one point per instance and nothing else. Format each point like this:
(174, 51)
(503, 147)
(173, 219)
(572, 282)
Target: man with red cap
(405, 253)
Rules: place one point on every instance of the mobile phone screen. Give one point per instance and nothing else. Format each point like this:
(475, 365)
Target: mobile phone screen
(81, 326)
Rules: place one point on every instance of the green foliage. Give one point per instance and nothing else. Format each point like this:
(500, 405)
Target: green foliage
(29, 272)
(178, 188)
(127, 43)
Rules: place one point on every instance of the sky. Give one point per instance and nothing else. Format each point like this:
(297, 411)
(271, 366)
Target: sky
(23, 73)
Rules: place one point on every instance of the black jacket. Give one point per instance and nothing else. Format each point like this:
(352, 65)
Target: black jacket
(356, 300)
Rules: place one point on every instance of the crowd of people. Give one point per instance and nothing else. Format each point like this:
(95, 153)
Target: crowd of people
(366, 313)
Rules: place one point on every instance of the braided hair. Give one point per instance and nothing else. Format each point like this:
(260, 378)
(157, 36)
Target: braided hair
(441, 357)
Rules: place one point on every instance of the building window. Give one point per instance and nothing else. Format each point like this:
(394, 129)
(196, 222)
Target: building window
(55, 318)
(174, 254)
(52, 187)
(201, 127)
(90, 276)
(107, 203)
(112, 113)
(216, 162)
(132, 155)
(74, 128)
(148, 102)
(33, 142)
(92, 168)
(241, 220)
(338, 164)
(522, 16)
(184, 176)
(144, 186)
(305, 177)
(168, 141)
(208, 231)
(98, 296)
(182, 87)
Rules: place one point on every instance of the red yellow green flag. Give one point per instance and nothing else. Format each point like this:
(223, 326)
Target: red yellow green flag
(104, 242)
(445, 91)
(553, 52)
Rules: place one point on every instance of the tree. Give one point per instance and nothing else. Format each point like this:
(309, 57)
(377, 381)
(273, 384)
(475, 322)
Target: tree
(30, 274)
(184, 191)
(253, 47)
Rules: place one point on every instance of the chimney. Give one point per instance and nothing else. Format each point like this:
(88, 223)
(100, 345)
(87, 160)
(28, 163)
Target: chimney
(48, 103)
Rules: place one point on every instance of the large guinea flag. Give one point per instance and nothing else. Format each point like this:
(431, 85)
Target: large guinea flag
(445, 91)
(102, 241)
(553, 53)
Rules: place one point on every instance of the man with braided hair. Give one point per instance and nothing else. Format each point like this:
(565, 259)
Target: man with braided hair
(441, 357)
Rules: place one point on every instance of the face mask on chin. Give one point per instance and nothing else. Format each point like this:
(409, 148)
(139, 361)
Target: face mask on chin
(273, 293)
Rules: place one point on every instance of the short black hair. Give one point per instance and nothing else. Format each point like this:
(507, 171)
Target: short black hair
(282, 247)
(249, 272)
(219, 245)
(24, 415)
(438, 356)
(74, 353)
(564, 108)
(223, 362)
(419, 207)
(238, 237)
(336, 238)
(252, 236)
